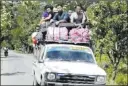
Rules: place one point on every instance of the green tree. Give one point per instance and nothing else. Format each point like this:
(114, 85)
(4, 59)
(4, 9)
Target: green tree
(20, 19)
(110, 28)
(5, 21)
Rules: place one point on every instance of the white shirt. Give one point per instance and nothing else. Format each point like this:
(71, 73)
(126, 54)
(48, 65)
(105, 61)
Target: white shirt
(75, 16)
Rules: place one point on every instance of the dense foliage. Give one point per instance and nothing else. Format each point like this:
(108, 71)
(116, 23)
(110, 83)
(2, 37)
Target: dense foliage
(110, 28)
(108, 22)
(19, 20)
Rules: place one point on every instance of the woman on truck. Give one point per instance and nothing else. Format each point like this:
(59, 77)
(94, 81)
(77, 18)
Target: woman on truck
(47, 15)
(45, 21)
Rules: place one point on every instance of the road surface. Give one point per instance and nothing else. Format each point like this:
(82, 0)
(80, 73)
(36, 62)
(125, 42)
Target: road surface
(16, 69)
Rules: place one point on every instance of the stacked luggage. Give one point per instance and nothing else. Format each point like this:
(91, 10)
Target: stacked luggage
(79, 35)
(75, 35)
(57, 33)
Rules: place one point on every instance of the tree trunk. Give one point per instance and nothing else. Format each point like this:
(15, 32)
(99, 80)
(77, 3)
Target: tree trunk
(101, 51)
(110, 57)
(115, 68)
(114, 73)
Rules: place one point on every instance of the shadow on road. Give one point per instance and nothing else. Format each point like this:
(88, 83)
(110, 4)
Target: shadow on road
(11, 74)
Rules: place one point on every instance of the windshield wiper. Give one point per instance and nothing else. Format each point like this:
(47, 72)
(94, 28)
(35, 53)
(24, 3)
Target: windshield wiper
(83, 61)
(67, 60)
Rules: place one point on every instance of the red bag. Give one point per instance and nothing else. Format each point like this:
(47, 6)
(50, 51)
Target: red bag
(34, 34)
(34, 41)
(79, 35)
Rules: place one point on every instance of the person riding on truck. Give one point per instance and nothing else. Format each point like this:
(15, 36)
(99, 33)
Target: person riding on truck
(78, 16)
(34, 38)
(61, 16)
(47, 15)
(55, 10)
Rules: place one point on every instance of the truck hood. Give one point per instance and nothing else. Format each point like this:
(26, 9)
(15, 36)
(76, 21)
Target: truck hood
(74, 68)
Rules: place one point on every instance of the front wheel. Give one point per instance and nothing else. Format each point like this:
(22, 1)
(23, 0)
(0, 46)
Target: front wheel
(43, 84)
(35, 83)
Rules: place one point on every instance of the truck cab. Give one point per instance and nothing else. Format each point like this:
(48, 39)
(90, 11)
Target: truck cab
(67, 65)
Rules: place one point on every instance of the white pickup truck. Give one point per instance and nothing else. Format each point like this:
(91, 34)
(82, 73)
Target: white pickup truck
(67, 65)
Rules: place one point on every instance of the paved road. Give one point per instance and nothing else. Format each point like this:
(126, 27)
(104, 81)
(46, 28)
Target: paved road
(16, 69)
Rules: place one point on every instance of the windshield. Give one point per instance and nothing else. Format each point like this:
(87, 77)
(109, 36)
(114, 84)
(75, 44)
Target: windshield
(69, 54)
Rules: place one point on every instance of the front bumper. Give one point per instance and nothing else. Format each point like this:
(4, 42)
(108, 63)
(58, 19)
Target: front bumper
(70, 84)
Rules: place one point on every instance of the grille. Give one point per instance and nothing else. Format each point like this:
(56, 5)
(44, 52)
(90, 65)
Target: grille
(77, 79)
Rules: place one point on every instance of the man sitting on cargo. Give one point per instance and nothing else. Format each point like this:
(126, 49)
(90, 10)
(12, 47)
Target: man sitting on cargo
(78, 16)
(61, 16)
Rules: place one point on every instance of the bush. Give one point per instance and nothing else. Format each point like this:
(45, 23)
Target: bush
(121, 79)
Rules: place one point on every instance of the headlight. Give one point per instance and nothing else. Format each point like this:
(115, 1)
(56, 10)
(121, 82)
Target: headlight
(100, 80)
(51, 76)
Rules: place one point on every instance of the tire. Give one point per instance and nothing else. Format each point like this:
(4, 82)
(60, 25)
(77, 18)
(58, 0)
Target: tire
(35, 83)
(42, 83)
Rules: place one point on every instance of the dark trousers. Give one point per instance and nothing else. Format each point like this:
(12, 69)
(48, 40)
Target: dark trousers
(43, 29)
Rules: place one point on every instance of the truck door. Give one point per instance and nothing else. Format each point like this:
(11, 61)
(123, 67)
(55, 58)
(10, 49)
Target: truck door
(38, 65)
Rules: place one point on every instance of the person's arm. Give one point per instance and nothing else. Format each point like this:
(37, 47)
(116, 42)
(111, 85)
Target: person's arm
(54, 18)
(62, 21)
(48, 18)
(45, 14)
(72, 18)
(65, 18)
(42, 20)
(84, 18)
